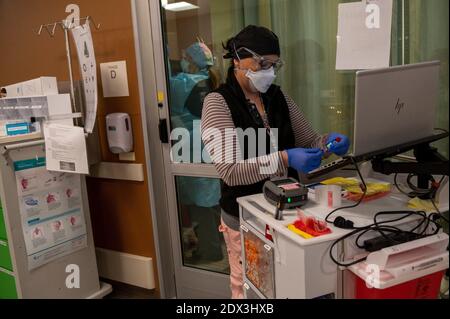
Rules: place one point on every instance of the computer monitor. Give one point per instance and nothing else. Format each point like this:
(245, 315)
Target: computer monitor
(394, 106)
(395, 111)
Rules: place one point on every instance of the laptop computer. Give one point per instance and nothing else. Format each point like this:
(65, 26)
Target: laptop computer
(393, 106)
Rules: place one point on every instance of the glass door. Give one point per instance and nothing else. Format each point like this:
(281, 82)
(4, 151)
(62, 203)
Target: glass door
(186, 40)
(185, 74)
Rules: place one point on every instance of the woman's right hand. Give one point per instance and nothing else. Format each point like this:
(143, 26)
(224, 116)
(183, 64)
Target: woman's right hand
(303, 159)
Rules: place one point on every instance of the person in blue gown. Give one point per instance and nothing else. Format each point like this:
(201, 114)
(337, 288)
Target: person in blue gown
(198, 197)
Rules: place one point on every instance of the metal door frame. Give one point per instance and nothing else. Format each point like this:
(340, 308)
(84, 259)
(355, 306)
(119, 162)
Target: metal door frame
(176, 280)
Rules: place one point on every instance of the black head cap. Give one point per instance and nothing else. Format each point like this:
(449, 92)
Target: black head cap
(258, 39)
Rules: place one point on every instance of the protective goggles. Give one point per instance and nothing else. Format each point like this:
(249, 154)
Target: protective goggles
(263, 62)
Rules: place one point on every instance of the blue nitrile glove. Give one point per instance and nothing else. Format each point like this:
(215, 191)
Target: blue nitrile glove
(338, 144)
(304, 160)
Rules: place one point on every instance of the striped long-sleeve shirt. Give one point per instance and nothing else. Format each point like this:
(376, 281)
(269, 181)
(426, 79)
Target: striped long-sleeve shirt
(216, 116)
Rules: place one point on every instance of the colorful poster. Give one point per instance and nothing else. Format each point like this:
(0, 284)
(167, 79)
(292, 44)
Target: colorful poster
(86, 57)
(51, 212)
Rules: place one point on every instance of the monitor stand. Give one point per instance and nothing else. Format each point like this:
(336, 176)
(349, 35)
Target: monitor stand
(428, 162)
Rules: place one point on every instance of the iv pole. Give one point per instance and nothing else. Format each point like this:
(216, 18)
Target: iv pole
(69, 63)
(66, 26)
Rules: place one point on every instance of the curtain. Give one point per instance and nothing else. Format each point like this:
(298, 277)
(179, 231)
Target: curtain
(307, 30)
(428, 37)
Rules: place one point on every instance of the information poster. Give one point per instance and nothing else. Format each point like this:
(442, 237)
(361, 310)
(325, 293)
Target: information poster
(51, 212)
(86, 56)
(65, 149)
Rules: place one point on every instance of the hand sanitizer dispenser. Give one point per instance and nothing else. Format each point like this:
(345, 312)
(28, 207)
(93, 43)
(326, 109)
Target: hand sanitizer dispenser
(120, 135)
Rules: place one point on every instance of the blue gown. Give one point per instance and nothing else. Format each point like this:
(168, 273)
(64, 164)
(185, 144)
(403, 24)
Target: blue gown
(202, 192)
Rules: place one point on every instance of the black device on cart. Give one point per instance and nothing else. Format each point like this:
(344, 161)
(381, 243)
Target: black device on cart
(285, 193)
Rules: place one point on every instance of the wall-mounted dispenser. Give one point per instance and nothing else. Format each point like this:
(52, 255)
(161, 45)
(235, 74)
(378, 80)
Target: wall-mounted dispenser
(120, 134)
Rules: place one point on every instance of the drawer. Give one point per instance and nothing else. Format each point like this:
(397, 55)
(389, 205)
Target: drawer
(7, 286)
(2, 226)
(258, 261)
(252, 220)
(5, 258)
(250, 292)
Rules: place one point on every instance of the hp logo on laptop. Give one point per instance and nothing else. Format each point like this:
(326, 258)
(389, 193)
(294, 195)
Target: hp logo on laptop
(399, 106)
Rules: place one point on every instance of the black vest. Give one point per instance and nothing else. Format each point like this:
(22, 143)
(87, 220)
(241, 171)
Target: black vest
(245, 115)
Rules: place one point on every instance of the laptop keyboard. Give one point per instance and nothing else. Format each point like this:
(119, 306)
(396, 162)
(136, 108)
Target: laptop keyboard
(325, 169)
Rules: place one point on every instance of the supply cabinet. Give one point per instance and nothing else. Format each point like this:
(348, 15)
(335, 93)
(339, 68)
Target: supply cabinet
(279, 264)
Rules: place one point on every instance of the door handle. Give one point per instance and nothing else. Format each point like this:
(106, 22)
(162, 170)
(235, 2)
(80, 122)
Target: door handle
(163, 131)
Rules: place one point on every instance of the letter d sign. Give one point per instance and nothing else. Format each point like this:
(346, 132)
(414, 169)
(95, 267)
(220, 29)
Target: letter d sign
(73, 280)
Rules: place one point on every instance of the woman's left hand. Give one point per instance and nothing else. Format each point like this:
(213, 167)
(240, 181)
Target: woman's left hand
(338, 144)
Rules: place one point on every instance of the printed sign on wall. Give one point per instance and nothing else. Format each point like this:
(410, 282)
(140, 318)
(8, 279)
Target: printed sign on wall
(114, 79)
(86, 56)
(364, 35)
(51, 212)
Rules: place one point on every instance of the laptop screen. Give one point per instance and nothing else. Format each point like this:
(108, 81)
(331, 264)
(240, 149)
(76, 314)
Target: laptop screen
(395, 106)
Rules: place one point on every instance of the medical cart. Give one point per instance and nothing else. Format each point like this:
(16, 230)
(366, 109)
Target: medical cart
(281, 264)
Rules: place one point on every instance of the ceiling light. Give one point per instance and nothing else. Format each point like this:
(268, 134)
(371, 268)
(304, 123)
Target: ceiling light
(180, 6)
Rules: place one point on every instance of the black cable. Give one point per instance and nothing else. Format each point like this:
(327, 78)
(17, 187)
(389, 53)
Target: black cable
(398, 187)
(427, 220)
(359, 201)
(435, 206)
(381, 228)
(417, 190)
(420, 191)
(396, 230)
(432, 191)
(422, 214)
(280, 208)
(354, 232)
(377, 223)
(439, 213)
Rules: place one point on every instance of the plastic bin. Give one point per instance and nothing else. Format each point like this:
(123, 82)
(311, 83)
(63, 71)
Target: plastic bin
(412, 270)
(426, 287)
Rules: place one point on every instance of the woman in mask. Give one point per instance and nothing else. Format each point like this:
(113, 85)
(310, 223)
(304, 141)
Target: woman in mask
(250, 100)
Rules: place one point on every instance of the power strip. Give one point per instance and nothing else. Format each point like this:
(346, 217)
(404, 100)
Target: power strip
(381, 242)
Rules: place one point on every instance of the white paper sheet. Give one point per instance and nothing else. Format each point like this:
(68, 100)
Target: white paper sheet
(51, 212)
(86, 56)
(114, 79)
(364, 38)
(65, 149)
